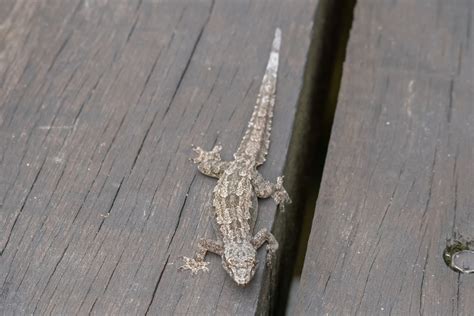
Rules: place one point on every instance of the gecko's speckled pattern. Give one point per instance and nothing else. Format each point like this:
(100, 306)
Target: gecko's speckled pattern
(235, 196)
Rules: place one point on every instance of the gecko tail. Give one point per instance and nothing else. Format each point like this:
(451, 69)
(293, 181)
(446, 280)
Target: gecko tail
(256, 141)
(272, 66)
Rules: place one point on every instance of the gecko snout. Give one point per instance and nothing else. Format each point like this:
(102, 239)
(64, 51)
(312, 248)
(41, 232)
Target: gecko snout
(240, 262)
(242, 275)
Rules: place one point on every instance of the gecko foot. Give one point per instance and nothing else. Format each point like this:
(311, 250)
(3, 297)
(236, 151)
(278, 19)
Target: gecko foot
(203, 156)
(269, 258)
(280, 195)
(193, 265)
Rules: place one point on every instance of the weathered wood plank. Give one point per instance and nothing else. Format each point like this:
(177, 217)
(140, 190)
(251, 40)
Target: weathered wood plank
(100, 102)
(399, 175)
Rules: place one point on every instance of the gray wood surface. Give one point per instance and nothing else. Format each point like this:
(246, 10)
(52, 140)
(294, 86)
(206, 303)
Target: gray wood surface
(100, 102)
(399, 174)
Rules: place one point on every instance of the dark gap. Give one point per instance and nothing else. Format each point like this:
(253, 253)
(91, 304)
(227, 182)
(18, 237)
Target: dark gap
(309, 143)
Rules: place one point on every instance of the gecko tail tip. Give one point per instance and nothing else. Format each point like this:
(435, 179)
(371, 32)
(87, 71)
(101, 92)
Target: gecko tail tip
(277, 40)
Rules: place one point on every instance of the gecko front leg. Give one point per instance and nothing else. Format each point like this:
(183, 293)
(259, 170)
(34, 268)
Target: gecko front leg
(210, 162)
(260, 238)
(197, 263)
(265, 189)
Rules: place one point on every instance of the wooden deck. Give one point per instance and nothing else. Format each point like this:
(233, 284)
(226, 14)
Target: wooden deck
(399, 174)
(100, 102)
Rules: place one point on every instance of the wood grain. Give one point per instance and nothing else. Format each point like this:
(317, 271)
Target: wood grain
(399, 175)
(100, 102)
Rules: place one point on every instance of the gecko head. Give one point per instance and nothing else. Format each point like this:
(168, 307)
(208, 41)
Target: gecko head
(240, 261)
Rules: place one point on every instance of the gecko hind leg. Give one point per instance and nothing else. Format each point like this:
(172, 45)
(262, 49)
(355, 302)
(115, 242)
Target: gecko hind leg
(265, 189)
(260, 238)
(197, 263)
(210, 162)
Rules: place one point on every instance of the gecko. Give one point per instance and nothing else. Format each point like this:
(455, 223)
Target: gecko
(234, 198)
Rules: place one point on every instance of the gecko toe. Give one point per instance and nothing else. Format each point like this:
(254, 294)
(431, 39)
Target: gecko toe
(194, 266)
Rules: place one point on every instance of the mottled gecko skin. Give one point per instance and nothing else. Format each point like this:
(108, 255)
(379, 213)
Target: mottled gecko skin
(234, 201)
